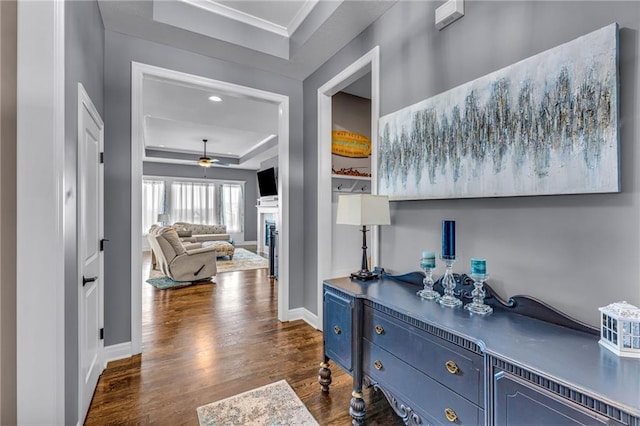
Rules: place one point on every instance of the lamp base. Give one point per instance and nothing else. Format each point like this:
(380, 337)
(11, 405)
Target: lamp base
(365, 275)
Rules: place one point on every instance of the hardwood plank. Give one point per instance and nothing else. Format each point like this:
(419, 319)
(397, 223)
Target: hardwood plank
(207, 342)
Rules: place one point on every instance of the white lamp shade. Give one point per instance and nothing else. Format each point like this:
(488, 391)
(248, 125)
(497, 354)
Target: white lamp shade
(363, 209)
(163, 217)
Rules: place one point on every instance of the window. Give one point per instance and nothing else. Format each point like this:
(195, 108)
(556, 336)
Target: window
(233, 206)
(153, 196)
(208, 203)
(193, 202)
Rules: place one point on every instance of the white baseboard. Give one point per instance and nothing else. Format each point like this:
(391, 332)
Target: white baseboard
(305, 315)
(116, 352)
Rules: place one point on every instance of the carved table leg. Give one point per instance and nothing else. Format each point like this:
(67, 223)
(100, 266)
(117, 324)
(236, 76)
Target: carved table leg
(324, 376)
(357, 408)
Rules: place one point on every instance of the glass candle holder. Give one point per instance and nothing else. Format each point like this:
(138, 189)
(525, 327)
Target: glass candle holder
(428, 292)
(449, 284)
(477, 306)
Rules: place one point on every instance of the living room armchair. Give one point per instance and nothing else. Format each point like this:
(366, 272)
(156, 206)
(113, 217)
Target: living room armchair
(180, 263)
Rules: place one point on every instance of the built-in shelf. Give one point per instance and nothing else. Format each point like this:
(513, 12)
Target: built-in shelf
(335, 176)
(346, 183)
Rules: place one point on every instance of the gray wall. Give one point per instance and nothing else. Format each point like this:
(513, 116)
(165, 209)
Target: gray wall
(120, 51)
(271, 162)
(196, 172)
(84, 63)
(575, 252)
(8, 100)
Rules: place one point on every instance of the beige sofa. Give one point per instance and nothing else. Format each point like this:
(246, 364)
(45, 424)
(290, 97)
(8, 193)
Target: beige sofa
(197, 233)
(190, 262)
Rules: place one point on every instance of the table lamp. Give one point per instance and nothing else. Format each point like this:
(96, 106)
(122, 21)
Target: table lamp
(163, 218)
(363, 210)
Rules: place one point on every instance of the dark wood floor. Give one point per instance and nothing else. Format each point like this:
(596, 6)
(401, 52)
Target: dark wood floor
(207, 342)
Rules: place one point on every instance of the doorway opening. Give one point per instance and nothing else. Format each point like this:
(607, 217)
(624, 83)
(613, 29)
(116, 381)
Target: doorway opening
(140, 72)
(367, 70)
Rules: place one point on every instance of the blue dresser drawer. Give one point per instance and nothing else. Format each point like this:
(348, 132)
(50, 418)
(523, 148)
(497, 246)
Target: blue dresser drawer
(457, 368)
(425, 395)
(338, 329)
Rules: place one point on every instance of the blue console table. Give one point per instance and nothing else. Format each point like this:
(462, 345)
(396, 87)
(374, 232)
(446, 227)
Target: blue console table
(439, 365)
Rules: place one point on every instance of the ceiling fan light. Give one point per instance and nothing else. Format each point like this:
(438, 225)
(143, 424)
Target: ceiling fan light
(204, 161)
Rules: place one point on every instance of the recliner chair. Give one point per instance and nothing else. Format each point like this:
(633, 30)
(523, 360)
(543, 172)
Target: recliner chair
(180, 263)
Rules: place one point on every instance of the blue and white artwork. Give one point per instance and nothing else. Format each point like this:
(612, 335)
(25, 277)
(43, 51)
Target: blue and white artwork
(545, 125)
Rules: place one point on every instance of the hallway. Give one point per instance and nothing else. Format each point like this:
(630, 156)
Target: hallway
(207, 342)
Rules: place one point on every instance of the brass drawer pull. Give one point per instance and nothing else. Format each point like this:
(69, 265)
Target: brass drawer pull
(337, 330)
(450, 414)
(379, 329)
(452, 367)
(377, 364)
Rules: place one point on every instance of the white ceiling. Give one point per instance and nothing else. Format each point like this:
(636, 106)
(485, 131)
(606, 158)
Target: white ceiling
(291, 37)
(199, 26)
(178, 116)
(278, 12)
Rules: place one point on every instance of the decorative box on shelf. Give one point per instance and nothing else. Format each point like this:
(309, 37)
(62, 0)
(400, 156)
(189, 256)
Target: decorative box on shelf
(620, 329)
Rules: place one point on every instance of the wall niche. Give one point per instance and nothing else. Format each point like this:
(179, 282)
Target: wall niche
(351, 134)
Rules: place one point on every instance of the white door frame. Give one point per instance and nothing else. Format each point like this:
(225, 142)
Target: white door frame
(84, 101)
(40, 302)
(369, 62)
(138, 73)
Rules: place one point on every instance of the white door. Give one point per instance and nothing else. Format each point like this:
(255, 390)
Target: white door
(90, 231)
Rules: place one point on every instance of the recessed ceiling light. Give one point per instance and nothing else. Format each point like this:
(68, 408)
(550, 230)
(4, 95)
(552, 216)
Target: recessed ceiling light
(215, 98)
(162, 146)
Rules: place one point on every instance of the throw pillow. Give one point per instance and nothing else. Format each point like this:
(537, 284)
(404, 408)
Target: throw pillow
(184, 233)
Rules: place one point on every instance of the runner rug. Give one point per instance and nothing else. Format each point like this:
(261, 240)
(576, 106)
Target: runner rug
(275, 404)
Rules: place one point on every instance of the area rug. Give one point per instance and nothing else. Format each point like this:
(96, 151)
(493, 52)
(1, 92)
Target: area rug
(243, 260)
(275, 404)
(163, 282)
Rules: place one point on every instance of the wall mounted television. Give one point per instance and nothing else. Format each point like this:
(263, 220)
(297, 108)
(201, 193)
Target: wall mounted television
(267, 184)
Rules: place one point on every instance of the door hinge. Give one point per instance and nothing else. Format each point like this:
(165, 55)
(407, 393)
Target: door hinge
(102, 241)
(102, 334)
(102, 158)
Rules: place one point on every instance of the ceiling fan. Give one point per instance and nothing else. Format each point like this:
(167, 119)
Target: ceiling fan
(205, 161)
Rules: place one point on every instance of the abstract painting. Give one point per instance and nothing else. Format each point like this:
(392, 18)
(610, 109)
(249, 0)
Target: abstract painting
(545, 125)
